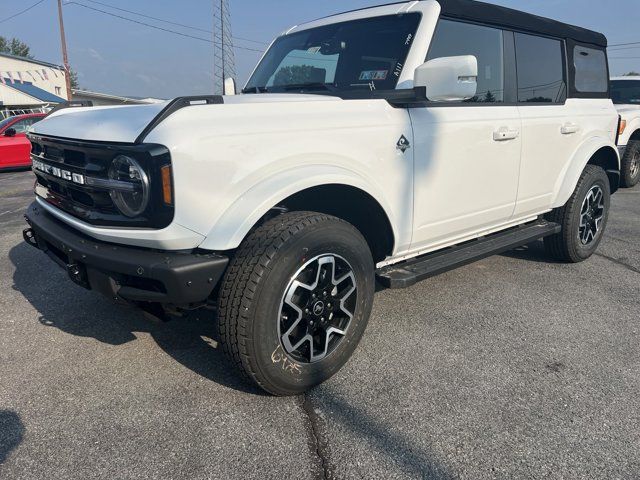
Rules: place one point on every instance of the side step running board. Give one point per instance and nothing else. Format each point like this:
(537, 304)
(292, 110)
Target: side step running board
(405, 274)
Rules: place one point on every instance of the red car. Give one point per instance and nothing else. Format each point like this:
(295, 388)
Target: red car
(14, 146)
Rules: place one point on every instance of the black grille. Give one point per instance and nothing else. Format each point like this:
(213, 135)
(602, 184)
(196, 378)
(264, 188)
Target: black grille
(93, 159)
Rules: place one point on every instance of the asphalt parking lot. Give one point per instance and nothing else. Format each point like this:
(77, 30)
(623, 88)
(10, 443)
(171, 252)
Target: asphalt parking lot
(514, 367)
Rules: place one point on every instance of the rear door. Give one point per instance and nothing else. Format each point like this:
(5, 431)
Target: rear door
(551, 129)
(467, 154)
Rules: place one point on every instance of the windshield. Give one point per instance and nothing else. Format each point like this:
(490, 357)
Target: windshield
(625, 91)
(364, 54)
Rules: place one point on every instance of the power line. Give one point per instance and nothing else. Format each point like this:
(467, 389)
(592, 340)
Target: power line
(169, 22)
(624, 48)
(149, 16)
(23, 11)
(623, 44)
(193, 37)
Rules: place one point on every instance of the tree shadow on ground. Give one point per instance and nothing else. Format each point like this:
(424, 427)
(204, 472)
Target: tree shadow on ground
(414, 460)
(11, 433)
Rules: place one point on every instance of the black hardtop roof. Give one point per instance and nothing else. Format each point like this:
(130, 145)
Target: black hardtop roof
(473, 10)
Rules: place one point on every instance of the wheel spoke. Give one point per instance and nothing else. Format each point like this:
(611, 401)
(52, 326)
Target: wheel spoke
(592, 215)
(320, 299)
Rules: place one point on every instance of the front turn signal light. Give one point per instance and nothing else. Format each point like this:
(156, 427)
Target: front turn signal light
(167, 187)
(623, 126)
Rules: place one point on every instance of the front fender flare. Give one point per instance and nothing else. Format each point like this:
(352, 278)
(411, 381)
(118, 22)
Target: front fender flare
(236, 222)
(633, 126)
(567, 182)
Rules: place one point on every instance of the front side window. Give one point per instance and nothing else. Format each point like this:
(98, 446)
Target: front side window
(591, 70)
(625, 92)
(452, 39)
(540, 69)
(366, 54)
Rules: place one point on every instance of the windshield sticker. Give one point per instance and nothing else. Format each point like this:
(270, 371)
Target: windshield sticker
(398, 69)
(374, 75)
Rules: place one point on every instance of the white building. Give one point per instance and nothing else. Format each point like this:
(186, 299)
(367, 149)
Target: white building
(29, 85)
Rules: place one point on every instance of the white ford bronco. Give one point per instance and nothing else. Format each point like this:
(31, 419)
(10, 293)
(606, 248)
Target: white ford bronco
(386, 144)
(625, 92)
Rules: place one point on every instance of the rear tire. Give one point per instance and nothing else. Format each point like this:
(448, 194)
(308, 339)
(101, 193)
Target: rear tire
(630, 165)
(583, 218)
(304, 280)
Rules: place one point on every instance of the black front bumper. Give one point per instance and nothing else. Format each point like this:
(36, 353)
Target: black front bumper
(123, 272)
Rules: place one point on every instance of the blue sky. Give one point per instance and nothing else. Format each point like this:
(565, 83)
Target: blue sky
(115, 56)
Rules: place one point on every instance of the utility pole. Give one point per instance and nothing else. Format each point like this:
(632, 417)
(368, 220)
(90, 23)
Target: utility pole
(65, 56)
(223, 55)
(224, 74)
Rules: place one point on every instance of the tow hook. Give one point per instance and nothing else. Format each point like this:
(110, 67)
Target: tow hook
(30, 237)
(78, 275)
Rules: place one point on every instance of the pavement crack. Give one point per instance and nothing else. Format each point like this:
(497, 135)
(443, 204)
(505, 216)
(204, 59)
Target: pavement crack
(317, 443)
(618, 262)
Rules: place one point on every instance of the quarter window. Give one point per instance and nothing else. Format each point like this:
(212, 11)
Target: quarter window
(485, 43)
(591, 70)
(540, 69)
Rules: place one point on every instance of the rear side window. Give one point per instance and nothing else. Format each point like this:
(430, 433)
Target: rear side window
(540, 64)
(485, 43)
(591, 70)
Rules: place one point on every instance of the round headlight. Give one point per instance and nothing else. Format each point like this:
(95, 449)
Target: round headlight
(131, 192)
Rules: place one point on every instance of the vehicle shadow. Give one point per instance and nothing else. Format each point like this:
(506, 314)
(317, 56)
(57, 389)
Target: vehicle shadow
(533, 252)
(11, 433)
(190, 340)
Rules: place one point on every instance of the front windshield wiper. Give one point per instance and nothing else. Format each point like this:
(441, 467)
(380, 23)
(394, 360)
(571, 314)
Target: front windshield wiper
(255, 90)
(309, 86)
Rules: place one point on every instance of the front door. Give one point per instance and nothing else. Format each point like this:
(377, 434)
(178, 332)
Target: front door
(467, 155)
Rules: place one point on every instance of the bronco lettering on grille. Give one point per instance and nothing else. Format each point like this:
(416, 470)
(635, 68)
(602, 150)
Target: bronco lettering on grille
(58, 172)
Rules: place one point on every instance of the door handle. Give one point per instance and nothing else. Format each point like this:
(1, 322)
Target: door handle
(569, 128)
(505, 133)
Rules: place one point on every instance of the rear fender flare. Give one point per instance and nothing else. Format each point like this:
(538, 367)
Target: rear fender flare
(567, 182)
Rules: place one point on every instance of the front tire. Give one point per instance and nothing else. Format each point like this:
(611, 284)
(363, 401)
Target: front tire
(630, 171)
(583, 218)
(295, 301)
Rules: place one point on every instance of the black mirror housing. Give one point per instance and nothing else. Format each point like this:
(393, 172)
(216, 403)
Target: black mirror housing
(10, 132)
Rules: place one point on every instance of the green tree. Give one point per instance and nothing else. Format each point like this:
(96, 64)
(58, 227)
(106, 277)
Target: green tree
(489, 97)
(15, 47)
(73, 76)
(632, 74)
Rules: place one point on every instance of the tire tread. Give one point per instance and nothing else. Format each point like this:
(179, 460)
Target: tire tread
(250, 263)
(558, 246)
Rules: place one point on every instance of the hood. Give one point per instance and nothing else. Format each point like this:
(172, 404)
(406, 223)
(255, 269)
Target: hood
(627, 108)
(100, 124)
(124, 124)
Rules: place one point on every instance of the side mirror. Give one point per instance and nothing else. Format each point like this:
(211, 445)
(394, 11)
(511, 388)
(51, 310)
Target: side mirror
(229, 86)
(10, 132)
(448, 79)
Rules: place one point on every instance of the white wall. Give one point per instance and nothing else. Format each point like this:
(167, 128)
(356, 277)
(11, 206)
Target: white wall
(55, 85)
